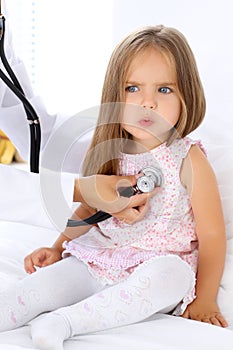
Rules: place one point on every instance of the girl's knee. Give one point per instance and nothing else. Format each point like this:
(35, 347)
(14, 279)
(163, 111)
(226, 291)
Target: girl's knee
(170, 269)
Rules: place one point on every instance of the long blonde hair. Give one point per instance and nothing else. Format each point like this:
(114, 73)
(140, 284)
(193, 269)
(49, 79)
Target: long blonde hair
(109, 137)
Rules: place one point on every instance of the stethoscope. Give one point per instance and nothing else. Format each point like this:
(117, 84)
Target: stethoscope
(12, 82)
(150, 178)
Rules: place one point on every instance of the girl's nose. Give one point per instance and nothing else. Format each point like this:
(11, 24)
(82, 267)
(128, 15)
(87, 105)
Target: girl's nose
(149, 106)
(149, 102)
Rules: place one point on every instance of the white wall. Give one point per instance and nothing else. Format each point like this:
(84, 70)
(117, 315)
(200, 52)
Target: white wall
(208, 27)
(65, 46)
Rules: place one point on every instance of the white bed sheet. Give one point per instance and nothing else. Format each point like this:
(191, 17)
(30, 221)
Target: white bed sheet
(161, 332)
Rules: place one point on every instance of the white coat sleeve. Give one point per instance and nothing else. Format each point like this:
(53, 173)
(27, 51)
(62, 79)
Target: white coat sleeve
(25, 199)
(13, 119)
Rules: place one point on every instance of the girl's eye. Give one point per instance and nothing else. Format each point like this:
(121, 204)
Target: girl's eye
(131, 89)
(165, 90)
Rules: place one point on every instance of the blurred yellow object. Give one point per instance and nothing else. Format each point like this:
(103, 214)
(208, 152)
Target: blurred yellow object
(7, 149)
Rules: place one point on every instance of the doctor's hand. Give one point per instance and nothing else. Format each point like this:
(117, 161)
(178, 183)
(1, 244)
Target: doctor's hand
(41, 257)
(100, 191)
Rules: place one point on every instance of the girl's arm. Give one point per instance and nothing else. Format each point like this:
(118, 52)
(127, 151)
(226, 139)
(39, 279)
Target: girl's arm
(82, 212)
(46, 256)
(199, 178)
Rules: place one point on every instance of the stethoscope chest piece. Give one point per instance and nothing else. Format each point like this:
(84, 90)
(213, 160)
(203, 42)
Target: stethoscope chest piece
(152, 177)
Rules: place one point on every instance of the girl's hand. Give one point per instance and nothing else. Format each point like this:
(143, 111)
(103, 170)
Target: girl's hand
(41, 257)
(205, 311)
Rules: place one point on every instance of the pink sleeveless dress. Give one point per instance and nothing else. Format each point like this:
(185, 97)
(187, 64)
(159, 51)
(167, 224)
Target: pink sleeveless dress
(114, 249)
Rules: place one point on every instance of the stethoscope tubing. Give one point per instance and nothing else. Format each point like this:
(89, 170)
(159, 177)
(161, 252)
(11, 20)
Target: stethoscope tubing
(101, 215)
(14, 85)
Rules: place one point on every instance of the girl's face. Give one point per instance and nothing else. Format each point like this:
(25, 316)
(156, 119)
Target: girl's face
(152, 103)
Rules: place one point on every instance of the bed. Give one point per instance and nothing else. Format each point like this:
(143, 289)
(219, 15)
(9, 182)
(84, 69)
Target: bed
(160, 332)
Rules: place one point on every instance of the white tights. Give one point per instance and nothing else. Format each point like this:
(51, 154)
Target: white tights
(157, 285)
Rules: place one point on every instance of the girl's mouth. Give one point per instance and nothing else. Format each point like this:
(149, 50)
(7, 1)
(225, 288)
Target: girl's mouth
(146, 122)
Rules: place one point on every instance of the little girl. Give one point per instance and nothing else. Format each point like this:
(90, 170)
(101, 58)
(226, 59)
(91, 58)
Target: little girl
(172, 260)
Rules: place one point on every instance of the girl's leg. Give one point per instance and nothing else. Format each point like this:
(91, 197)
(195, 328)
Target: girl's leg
(61, 284)
(158, 284)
